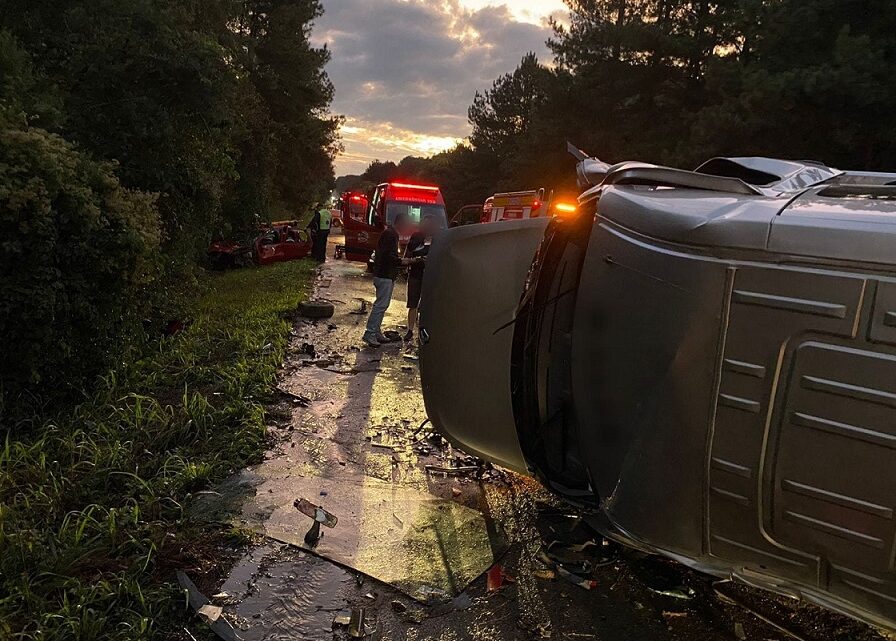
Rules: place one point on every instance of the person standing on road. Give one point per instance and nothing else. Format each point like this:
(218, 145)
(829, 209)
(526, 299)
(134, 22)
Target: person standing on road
(387, 264)
(417, 250)
(320, 232)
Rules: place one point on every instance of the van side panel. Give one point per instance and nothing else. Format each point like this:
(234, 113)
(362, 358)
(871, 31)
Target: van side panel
(742, 413)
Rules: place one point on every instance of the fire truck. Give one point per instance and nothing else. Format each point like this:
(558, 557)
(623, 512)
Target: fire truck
(389, 199)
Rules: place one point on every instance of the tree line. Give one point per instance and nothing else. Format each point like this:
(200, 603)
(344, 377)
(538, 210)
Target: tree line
(677, 82)
(131, 133)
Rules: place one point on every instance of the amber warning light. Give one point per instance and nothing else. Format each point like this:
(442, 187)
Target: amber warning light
(566, 208)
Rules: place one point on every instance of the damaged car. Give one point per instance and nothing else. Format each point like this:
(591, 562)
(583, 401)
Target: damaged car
(704, 361)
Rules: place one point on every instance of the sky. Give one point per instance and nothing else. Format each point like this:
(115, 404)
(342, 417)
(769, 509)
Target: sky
(405, 71)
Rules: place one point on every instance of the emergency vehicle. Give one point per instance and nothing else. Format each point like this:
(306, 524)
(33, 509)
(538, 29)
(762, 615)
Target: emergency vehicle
(515, 205)
(352, 204)
(390, 199)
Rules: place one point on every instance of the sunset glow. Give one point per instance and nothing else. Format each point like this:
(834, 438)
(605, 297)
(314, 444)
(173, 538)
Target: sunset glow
(406, 71)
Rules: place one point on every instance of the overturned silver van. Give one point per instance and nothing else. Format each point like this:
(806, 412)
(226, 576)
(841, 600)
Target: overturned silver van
(704, 360)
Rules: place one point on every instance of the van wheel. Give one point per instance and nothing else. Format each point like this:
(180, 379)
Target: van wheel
(316, 309)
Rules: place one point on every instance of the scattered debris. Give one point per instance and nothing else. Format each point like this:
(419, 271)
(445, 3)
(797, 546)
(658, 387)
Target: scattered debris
(684, 594)
(496, 578)
(319, 514)
(399, 607)
(210, 613)
(301, 401)
(342, 619)
(730, 599)
(739, 630)
(438, 469)
(357, 626)
(679, 615)
(199, 603)
(429, 594)
(361, 311)
(588, 584)
(308, 349)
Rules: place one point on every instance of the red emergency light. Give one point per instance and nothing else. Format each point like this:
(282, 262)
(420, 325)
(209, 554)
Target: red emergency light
(410, 186)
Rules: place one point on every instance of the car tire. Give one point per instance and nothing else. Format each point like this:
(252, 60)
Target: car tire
(316, 309)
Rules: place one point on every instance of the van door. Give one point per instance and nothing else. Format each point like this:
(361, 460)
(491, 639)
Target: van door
(362, 234)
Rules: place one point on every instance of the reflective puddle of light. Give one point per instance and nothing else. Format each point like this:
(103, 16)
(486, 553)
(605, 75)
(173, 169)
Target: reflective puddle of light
(282, 595)
(394, 533)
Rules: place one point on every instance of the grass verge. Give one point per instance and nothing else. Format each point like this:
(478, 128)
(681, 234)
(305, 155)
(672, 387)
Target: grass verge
(91, 504)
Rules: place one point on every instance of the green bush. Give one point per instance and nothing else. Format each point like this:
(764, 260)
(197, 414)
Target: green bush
(77, 253)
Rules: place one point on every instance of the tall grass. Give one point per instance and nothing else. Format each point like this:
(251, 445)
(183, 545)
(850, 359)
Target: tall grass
(91, 503)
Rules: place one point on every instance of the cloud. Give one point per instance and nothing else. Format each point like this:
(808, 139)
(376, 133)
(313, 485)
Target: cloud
(405, 71)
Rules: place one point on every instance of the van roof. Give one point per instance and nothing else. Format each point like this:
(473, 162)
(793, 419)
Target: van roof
(797, 208)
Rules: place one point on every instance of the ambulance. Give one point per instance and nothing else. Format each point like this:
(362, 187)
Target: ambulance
(388, 200)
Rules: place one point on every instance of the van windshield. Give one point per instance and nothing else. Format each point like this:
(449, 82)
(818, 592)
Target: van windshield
(416, 212)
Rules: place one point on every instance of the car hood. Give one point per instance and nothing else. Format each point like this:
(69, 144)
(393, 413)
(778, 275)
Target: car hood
(474, 279)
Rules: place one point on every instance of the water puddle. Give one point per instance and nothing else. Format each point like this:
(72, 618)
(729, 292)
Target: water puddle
(279, 595)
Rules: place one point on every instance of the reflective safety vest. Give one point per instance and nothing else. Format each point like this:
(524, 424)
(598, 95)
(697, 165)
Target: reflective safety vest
(326, 218)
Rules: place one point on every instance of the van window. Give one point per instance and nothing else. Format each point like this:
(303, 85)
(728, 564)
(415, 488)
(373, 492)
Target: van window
(416, 212)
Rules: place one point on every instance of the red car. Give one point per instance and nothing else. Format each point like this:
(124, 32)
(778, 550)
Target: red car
(278, 242)
(282, 242)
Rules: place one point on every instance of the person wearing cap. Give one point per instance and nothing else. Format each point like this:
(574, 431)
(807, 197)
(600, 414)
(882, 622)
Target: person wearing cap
(320, 232)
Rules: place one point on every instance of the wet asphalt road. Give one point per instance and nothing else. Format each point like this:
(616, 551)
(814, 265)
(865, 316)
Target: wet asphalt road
(355, 446)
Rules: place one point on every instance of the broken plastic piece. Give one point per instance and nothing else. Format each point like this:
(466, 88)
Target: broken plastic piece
(399, 607)
(588, 584)
(684, 594)
(429, 594)
(496, 578)
(357, 626)
(342, 618)
(210, 613)
(198, 600)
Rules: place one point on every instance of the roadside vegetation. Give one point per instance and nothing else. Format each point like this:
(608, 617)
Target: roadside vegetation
(92, 501)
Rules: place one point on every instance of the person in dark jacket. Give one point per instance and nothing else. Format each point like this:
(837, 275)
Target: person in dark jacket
(418, 248)
(387, 264)
(320, 232)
